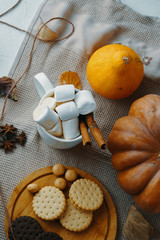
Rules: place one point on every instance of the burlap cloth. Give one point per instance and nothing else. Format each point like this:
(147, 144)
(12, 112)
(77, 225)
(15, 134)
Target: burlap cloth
(53, 60)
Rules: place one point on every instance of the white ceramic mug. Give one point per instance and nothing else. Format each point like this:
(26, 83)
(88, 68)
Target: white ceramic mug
(46, 89)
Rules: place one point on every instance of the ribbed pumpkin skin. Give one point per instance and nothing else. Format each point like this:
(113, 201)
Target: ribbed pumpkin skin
(135, 146)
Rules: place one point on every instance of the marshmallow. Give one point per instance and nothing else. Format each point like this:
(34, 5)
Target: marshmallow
(71, 128)
(42, 84)
(64, 93)
(67, 111)
(85, 102)
(45, 117)
(57, 129)
(49, 102)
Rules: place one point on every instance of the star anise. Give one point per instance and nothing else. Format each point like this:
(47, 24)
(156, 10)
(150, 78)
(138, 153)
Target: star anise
(7, 129)
(21, 139)
(9, 137)
(6, 84)
(7, 145)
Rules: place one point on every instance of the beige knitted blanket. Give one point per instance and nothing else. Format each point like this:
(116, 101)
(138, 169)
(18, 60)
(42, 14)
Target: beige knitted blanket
(96, 23)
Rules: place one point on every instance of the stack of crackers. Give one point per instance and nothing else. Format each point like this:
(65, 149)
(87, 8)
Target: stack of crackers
(74, 213)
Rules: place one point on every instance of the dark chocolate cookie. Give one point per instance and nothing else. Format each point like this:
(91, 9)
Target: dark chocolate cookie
(25, 228)
(49, 236)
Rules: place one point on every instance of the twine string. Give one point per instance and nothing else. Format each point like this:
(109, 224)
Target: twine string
(31, 52)
(6, 212)
(10, 9)
(19, 29)
(1, 192)
(25, 71)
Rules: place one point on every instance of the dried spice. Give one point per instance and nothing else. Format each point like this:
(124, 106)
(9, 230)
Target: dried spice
(7, 145)
(95, 130)
(5, 86)
(9, 137)
(136, 226)
(7, 129)
(21, 139)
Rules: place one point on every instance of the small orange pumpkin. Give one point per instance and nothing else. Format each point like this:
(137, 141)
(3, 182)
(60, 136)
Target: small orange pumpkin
(115, 71)
(135, 146)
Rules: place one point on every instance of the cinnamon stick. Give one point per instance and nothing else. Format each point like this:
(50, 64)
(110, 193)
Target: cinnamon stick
(84, 132)
(95, 130)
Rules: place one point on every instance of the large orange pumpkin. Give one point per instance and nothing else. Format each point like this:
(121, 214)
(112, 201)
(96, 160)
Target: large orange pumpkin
(135, 146)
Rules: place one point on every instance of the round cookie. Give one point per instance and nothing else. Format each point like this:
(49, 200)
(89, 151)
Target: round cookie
(26, 228)
(49, 203)
(75, 219)
(49, 236)
(86, 194)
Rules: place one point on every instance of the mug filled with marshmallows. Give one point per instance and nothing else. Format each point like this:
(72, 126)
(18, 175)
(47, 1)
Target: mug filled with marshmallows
(59, 112)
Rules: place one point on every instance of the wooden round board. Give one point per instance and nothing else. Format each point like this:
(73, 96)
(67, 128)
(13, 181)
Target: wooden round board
(103, 226)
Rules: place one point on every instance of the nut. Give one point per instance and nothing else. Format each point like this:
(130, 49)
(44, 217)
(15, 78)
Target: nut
(33, 188)
(60, 183)
(58, 169)
(70, 175)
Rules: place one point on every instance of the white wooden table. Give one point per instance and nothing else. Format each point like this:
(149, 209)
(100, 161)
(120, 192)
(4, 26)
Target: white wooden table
(10, 39)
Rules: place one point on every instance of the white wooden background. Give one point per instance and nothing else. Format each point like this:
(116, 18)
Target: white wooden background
(10, 39)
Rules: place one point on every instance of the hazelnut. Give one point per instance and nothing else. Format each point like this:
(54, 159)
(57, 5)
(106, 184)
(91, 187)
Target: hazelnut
(33, 187)
(70, 175)
(60, 183)
(58, 169)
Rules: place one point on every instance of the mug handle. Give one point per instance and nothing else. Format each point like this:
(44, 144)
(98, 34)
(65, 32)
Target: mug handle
(42, 84)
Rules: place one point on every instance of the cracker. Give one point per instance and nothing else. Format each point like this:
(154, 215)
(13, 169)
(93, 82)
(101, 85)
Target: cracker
(26, 228)
(86, 194)
(75, 219)
(49, 236)
(49, 203)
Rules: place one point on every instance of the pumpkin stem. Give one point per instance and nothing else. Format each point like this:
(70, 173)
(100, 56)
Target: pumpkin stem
(125, 60)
